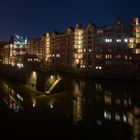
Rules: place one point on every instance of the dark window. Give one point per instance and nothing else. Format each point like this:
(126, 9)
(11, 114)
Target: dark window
(90, 42)
(89, 62)
(90, 33)
(90, 37)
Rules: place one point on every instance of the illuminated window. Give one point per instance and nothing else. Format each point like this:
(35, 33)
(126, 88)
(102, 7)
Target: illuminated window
(47, 34)
(126, 57)
(100, 31)
(19, 65)
(132, 45)
(118, 56)
(77, 55)
(79, 50)
(90, 50)
(107, 99)
(98, 56)
(80, 56)
(80, 32)
(57, 55)
(90, 66)
(80, 42)
(77, 61)
(48, 51)
(108, 62)
(125, 102)
(117, 117)
(137, 51)
(108, 56)
(107, 115)
(79, 37)
(125, 40)
(36, 59)
(98, 87)
(48, 43)
(99, 67)
(83, 66)
(131, 40)
(108, 40)
(124, 118)
(118, 40)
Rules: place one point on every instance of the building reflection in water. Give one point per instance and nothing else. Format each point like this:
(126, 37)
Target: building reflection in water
(118, 107)
(34, 101)
(11, 98)
(51, 103)
(78, 101)
(87, 102)
(17, 100)
(134, 121)
(31, 79)
(105, 105)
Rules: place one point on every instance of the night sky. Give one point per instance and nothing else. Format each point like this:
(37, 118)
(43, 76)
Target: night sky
(35, 17)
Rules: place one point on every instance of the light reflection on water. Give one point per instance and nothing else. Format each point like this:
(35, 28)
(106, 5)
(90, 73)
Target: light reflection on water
(84, 103)
(11, 98)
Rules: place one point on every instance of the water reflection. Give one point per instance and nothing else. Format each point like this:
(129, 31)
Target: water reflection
(12, 99)
(96, 102)
(134, 121)
(113, 106)
(34, 101)
(31, 79)
(78, 101)
(51, 83)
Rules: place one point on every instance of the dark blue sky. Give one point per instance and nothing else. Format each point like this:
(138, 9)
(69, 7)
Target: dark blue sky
(35, 17)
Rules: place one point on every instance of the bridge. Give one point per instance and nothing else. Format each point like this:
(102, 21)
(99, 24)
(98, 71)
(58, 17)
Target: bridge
(43, 78)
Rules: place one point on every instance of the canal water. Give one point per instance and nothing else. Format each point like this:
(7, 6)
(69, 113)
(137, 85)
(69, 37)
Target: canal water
(89, 109)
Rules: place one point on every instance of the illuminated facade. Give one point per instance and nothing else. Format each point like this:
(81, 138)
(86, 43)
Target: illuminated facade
(77, 102)
(135, 41)
(33, 46)
(48, 47)
(15, 50)
(132, 42)
(136, 30)
(70, 39)
(79, 47)
(37, 47)
(57, 48)
(74, 48)
(84, 48)
(112, 47)
(42, 49)
(94, 48)
(2, 44)
(90, 46)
